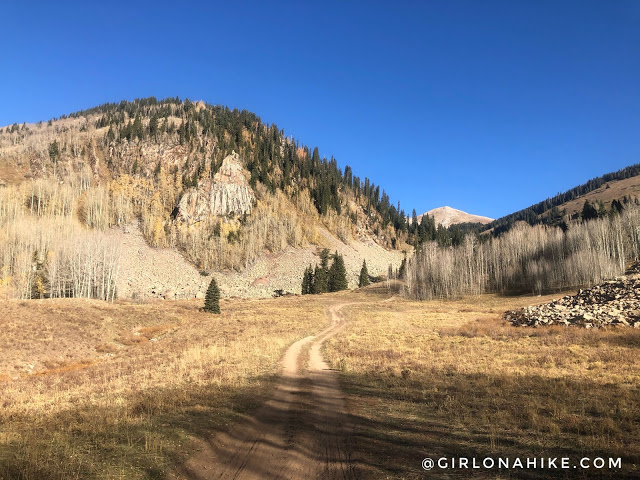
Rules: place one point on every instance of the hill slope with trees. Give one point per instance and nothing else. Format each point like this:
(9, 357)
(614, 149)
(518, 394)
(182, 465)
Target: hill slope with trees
(66, 181)
(571, 202)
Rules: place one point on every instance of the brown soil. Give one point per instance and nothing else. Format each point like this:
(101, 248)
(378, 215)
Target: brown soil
(302, 432)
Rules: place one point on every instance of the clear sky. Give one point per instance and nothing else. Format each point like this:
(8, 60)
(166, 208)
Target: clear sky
(487, 106)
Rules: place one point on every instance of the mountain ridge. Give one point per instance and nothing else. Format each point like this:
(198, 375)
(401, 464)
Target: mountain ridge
(447, 216)
(548, 210)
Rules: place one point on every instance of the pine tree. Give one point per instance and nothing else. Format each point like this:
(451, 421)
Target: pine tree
(212, 298)
(616, 208)
(307, 281)
(403, 268)
(110, 135)
(324, 259)
(320, 281)
(54, 151)
(363, 281)
(153, 127)
(589, 212)
(337, 274)
(137, 129)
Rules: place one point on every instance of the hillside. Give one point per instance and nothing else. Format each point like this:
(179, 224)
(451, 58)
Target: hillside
(447, 216)
(623, 185)
(199, 188)
(613, 190)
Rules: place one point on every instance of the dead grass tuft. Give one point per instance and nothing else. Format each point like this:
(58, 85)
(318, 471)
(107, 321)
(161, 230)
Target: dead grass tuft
(156, 330)
(129, 338)
(106, 348)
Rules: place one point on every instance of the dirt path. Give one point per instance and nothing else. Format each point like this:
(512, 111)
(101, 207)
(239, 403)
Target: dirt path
(301, 432)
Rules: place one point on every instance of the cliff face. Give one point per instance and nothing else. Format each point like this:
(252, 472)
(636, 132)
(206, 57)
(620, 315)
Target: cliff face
(228, 192)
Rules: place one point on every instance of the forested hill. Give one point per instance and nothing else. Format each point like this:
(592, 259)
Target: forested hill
(534, 213)
(272, 159)
(219, 185)
(208, 133)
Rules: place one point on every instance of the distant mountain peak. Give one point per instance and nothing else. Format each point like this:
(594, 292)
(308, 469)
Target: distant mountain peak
(447, 216)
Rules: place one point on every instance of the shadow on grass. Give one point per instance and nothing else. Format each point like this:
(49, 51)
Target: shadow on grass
(145, 436)
(395, 423)
(398, 422)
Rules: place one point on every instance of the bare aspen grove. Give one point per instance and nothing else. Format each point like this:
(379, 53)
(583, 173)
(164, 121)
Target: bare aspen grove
(527, 259)
(44, 249)
(54, 241)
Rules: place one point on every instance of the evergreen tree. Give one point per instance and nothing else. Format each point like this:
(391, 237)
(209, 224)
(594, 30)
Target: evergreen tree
(616, 207)
(110, 135)
(589, 212)
(315, 160)
(403, 268)
(40, 286)
(324, 259)
(307, 281)
(153, 127)
(212, 298)
(337, 274)
(363, 281)
(320, 281)
(137, 129)
(54, 151)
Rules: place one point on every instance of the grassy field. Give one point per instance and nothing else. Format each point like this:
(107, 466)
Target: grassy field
(433, 379)
(90, 389)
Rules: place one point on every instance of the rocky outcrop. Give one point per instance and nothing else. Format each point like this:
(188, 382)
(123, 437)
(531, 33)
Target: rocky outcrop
(616, 303)
(228, 193)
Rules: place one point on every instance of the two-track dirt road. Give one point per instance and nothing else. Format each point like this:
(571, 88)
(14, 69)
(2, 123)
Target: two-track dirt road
(301, 432)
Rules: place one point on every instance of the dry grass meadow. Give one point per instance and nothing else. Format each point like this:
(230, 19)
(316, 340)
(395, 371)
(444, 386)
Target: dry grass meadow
(451, 378)
(90, 389)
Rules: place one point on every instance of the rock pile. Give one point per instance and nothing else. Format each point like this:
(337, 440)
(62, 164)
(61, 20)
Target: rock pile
(616, 302)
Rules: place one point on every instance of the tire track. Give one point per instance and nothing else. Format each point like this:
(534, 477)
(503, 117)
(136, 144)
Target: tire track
(301, 432)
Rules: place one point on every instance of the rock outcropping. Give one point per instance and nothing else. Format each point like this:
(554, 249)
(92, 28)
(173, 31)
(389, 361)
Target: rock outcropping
(229, 192)
(616, 302)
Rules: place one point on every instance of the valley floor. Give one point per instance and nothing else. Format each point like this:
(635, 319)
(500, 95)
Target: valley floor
(452, 379)
(90, 389)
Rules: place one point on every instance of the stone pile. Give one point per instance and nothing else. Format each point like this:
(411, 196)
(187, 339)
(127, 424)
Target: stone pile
(612, 303)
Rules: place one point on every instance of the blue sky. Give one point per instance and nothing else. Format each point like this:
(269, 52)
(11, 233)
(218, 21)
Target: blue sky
(487, 106)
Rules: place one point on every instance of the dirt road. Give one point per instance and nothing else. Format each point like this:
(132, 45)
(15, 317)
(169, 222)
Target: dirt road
(302, 432)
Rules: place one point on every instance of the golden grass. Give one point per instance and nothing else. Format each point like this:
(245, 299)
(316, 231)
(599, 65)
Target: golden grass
(453, 379)
(83, 396)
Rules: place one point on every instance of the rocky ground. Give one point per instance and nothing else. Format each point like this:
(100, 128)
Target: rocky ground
(284, 271)
(147, 272)
(612, 303)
